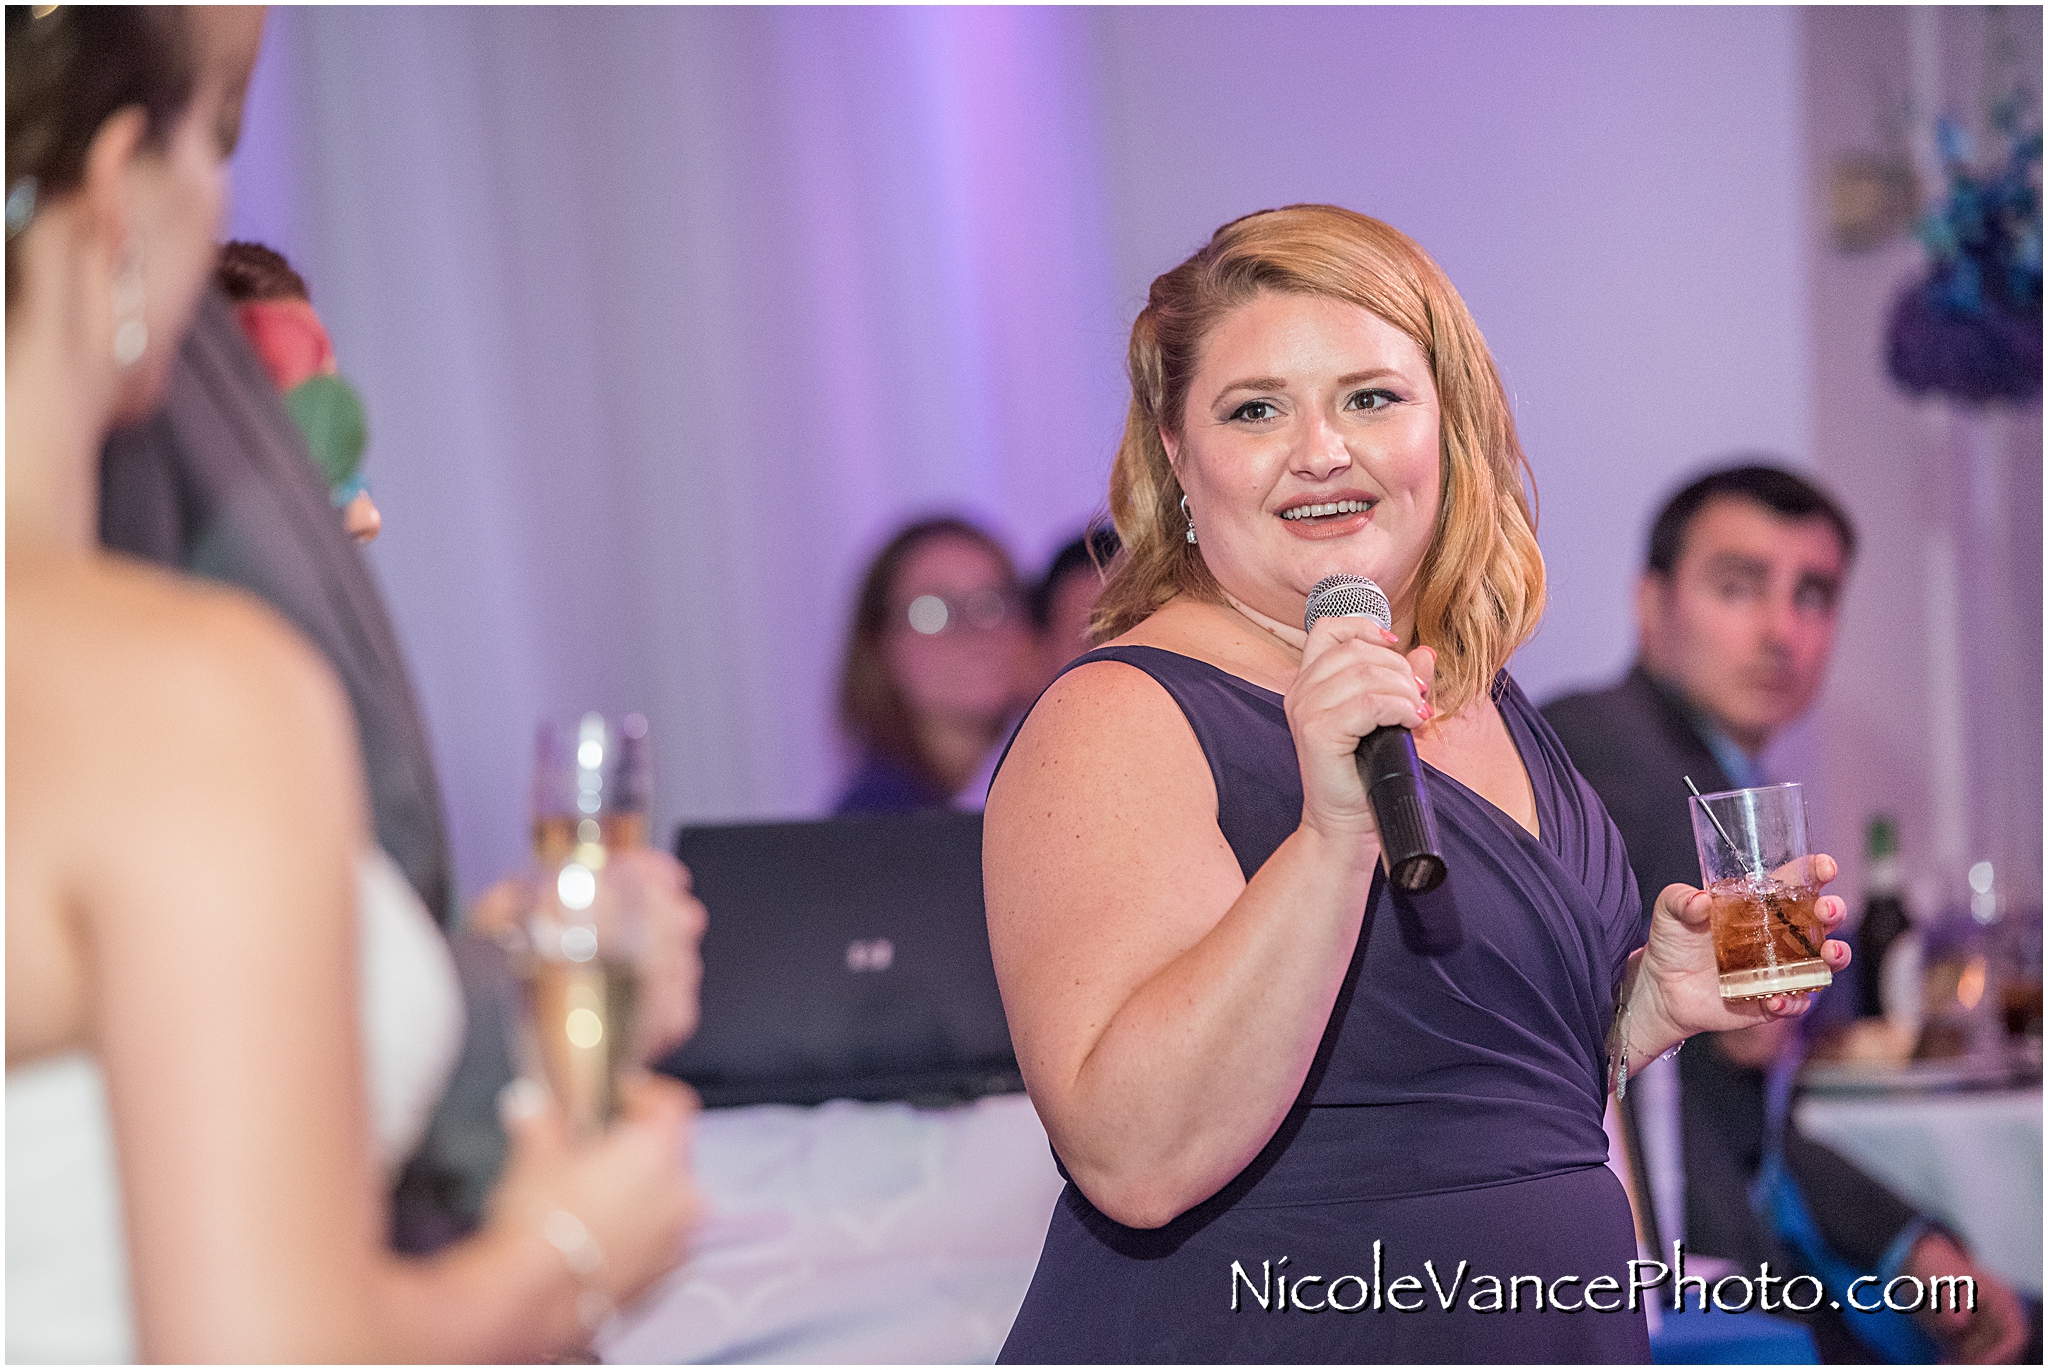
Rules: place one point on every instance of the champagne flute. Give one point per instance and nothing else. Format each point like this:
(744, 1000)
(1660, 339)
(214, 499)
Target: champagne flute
(591, 782)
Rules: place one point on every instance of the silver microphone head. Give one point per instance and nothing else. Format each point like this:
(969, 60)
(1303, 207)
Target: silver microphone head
(1348, 597)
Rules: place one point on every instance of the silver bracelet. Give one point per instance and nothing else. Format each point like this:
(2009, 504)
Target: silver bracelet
(1621, 1020)
(580, 1252)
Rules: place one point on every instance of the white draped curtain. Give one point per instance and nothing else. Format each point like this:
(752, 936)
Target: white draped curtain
(665, 318)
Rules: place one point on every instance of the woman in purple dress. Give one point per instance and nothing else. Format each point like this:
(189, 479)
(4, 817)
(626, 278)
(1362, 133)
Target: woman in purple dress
(1288, 1136)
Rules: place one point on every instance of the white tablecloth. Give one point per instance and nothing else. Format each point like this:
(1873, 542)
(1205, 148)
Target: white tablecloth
(1971, 1160)
(854, 1233)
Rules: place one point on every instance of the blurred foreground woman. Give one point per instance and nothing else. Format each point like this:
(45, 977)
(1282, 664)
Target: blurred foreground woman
(227, 1013)
(1281, 1124)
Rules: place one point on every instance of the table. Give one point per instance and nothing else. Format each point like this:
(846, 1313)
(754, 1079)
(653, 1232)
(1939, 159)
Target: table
(1973, 1160)
(853, 1233)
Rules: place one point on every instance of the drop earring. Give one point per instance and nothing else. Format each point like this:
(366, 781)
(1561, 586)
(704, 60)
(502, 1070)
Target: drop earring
(1189, 517)
(131, 334)
(21, 204)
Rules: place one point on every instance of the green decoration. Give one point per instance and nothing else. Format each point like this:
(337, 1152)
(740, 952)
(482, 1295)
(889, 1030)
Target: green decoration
(330, 413)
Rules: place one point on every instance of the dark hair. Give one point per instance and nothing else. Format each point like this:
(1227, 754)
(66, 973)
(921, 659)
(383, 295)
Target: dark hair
(1091, 552)
(872, 708)
(1776, 489)
(70, 68)
(251, 271)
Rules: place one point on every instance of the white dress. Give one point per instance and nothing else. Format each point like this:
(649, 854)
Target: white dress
(67, 1260)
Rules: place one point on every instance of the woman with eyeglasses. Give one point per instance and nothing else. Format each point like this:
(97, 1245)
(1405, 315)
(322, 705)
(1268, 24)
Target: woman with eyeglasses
(935, 669)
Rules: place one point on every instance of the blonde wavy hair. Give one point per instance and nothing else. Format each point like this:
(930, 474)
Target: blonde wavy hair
(1480, 589)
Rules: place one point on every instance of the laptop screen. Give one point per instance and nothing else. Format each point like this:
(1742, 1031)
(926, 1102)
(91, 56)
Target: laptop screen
(845, 959)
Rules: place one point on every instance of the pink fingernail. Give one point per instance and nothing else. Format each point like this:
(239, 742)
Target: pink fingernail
(1427, 712)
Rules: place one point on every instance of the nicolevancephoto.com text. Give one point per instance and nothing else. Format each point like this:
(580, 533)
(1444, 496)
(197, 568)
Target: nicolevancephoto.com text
(1275, 1289)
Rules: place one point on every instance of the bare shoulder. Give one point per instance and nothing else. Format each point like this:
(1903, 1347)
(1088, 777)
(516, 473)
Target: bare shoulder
(127, 642)
(183, 693)
(1108, 732)
(1102, 722)
(1105, 791)
(134, 695)
(152, 695)
(159, 723)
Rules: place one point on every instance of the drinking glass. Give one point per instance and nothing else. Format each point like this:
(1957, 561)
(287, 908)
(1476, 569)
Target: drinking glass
(1755, 867)
(591, 783)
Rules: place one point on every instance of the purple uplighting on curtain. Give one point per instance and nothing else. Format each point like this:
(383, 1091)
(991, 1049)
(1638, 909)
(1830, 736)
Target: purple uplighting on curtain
(665, 318)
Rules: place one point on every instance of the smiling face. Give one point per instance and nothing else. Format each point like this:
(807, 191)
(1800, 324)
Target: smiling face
(1745, 623)
(1309, 447)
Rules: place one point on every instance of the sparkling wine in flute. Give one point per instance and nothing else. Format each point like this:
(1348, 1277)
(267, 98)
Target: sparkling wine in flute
(582, 1015)
(591, 787)
(557, 836)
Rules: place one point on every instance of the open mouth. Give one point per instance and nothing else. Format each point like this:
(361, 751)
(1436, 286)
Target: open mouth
(1308, 513)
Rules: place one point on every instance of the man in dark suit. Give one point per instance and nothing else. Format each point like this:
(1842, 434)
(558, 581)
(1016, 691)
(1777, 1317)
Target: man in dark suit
(1736, 615)
(220, 482)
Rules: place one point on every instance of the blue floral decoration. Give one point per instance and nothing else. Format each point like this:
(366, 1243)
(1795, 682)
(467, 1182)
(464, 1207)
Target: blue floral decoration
(1971, 329)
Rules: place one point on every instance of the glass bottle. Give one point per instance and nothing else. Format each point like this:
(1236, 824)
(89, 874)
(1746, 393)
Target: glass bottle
(1884, 913)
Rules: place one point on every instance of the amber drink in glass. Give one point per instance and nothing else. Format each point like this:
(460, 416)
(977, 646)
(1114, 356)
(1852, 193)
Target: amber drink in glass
(582, 934)
(1756, 870)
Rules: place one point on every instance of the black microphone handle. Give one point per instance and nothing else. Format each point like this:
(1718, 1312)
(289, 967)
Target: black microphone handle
(1392, 775)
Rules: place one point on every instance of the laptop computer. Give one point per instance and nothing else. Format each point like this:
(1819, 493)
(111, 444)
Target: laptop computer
(845, 959)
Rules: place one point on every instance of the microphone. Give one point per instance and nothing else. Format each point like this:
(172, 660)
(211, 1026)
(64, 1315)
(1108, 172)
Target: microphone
(1392, 774)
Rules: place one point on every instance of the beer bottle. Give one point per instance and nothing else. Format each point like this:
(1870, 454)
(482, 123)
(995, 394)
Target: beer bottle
(1884, 913)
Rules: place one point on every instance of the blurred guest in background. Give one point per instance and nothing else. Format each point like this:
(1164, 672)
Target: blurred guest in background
(936, 667)
(1736, 611)
(227, 1011)
(1064, 600)
(1237, 1055)
(276, 312)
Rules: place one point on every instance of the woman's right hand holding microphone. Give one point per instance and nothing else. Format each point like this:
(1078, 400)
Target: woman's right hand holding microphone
(1353, 679)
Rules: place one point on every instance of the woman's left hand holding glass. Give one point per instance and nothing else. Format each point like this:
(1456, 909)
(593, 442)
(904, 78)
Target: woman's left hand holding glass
(1673, 988)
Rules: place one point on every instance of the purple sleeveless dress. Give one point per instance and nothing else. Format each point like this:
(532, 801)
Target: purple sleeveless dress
(1447, 1139)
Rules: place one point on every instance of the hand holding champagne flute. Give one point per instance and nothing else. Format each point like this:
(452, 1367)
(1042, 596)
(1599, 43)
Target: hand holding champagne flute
(603, 933)
(586, 925)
